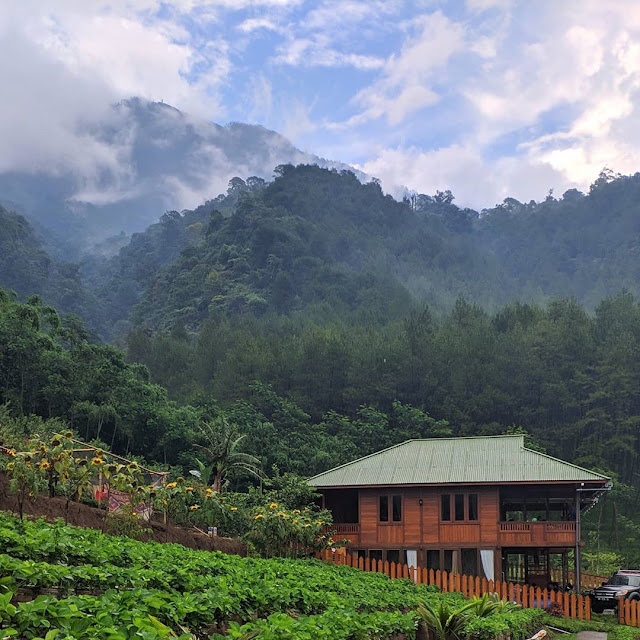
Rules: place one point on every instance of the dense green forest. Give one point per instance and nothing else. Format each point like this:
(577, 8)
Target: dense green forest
(310, 397)
(328, 321)
(319, 244)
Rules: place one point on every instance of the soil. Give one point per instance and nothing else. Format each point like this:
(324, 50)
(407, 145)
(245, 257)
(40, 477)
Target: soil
(83, 515)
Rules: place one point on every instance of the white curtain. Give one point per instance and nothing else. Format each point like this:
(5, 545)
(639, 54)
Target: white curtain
(486, 555)
(412, 561)
(455, 561)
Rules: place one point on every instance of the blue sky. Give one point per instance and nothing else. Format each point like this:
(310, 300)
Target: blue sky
(488, 98)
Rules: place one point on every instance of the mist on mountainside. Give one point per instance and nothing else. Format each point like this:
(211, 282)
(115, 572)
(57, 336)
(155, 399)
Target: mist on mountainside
(146, 158)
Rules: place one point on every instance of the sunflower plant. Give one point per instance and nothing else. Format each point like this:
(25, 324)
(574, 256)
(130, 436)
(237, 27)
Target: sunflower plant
(277, 531)
(26, 478)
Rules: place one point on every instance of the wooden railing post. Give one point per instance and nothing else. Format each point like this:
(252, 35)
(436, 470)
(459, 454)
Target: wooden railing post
(587, 608)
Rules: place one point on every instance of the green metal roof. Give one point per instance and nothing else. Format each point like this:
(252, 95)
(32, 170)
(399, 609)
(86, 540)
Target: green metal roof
(489, 459)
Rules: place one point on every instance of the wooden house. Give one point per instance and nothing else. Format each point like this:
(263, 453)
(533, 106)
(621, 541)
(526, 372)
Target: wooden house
(485, 506)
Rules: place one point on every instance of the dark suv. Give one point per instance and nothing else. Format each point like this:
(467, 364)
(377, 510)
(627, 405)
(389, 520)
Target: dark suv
(623, 584)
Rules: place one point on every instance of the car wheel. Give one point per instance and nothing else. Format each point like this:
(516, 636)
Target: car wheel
(597, 608)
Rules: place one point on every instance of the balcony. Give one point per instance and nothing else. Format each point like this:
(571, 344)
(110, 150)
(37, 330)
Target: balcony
(537, 533)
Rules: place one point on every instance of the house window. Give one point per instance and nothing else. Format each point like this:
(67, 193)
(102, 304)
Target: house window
(390, 508)
(469, 562)
(473, 506)
(451, 560)
(445, 507)
(433, 559)
(393, 555)
(396, 502)
(384, 508)
(459, 506)
(375, 554)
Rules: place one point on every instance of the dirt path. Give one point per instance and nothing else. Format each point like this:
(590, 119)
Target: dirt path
(592, 635)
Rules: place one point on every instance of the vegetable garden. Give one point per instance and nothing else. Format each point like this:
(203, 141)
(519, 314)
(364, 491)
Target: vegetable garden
(105, 587)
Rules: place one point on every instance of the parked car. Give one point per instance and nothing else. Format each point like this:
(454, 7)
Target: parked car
(622, 584)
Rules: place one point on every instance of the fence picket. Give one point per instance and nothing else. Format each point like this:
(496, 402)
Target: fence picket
(573, 605)
(620, 611)
(634, 613)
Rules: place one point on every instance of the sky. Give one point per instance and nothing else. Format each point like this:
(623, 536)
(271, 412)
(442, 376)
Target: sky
(488, 98)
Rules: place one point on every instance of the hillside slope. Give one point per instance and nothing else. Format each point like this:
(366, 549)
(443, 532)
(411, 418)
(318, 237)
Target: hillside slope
(313, 241)
(27, 269)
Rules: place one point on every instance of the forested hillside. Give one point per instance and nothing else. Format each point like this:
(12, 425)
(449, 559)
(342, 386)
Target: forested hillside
(309, 397)
(587, 246)
(27, 269)
(321, 245)
(312, 242)
(328, 320)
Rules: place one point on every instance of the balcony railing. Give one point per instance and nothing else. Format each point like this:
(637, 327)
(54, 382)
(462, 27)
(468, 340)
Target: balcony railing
(554, 527)
(515, 526)
(342, 527)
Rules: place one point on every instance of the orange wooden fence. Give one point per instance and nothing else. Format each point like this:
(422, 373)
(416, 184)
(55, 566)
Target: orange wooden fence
(591, 580)
(571, 605)
(629, 612)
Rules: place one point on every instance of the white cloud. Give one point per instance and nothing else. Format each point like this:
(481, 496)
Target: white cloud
(406, 82)
(254, 24)
(500, 94)
(317, 52)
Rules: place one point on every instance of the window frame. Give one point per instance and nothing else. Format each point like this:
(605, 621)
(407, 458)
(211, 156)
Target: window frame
(390, 499)
(466, 504)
